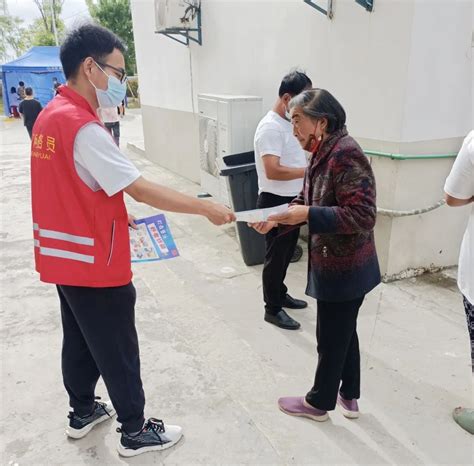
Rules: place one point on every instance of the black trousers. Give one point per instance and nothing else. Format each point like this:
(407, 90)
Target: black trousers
(30, 131)
(100, 339)
(278, 252)
(469, 308)
(338, 354)
(114, 129)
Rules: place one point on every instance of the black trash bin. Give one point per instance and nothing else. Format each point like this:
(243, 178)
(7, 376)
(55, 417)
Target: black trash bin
(243, 187)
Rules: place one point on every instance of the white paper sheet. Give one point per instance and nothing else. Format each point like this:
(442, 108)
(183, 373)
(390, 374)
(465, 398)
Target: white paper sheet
(260, 215)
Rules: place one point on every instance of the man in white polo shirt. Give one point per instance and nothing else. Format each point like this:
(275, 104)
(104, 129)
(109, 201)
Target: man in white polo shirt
(459, 189)
(281, 163)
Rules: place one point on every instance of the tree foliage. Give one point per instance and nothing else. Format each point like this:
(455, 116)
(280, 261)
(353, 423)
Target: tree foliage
(116, 16)
(42, 30)
(12, 34)
(49, 9)
(12, 37)
(15, 38)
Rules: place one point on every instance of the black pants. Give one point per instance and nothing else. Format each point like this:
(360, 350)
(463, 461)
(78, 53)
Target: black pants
(114, 129)
(338, 354)
(469, 308)
(30, 131)
(278, 252)
(100, 339)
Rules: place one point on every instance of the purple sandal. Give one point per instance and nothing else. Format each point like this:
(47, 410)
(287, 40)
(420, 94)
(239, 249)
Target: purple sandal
(297, 406)
(349, 408)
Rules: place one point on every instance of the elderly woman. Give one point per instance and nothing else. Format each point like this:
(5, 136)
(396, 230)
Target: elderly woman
(338, 204)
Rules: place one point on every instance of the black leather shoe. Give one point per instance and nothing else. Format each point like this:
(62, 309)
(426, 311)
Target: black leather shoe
(292, 303)
(282, 320)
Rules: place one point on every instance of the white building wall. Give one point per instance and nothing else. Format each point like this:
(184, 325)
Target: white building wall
(249, 45)
(438, 96)
(163, 65)
(403, 74)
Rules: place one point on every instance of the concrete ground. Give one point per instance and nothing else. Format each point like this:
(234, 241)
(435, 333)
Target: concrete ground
(212, 365)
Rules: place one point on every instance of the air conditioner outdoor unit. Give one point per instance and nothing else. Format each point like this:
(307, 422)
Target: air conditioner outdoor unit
(175, 14)
(227, 126)
(208, 146)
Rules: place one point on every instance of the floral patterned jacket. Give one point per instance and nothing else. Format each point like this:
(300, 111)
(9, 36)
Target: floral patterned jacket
(339, 187)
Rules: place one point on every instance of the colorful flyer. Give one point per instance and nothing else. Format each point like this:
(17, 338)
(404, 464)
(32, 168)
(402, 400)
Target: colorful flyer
(152, 240)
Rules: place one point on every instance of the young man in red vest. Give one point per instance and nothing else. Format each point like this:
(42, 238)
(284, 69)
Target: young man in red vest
(80, 225)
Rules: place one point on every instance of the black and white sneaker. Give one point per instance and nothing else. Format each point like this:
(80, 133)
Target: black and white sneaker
(80, 426)
(154, 436)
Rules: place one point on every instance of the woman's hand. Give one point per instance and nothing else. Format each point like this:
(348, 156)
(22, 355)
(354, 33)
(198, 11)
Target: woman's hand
(295, 215)
(262, 227)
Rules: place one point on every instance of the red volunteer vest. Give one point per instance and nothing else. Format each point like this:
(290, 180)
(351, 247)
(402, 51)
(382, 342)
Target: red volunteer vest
(81, 236)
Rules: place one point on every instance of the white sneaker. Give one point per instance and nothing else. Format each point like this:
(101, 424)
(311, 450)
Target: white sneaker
(154, 436)
(80, 426)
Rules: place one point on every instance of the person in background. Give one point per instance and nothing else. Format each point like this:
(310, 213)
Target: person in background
(459, 189)
(110, 118)
(21, 90)
(121, 109)
(280, 163)
(29, 109)
(14, 101)
(338, 204)
(56, 85)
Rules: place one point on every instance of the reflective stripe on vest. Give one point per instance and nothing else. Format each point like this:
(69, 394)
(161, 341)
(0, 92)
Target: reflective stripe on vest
(66, 255)
(62, 253)
(66, 237)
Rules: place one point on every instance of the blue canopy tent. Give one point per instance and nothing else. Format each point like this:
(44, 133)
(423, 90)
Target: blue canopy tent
(36, 68)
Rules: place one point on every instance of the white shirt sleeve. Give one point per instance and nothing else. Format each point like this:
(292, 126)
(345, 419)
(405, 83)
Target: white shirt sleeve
(270, 142)
(100, 163)
(460, 182)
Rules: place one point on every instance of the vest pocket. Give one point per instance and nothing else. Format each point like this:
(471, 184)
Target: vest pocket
(112, 239)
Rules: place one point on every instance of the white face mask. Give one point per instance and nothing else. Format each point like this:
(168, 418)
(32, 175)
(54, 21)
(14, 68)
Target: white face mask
(115, 93)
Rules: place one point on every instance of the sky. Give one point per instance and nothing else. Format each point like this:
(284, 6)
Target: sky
(28, 11)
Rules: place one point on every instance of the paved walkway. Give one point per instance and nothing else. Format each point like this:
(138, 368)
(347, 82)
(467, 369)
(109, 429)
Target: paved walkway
(211, 364)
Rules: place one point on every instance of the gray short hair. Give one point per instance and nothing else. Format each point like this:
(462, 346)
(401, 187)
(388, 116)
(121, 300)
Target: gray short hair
(319, 103)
